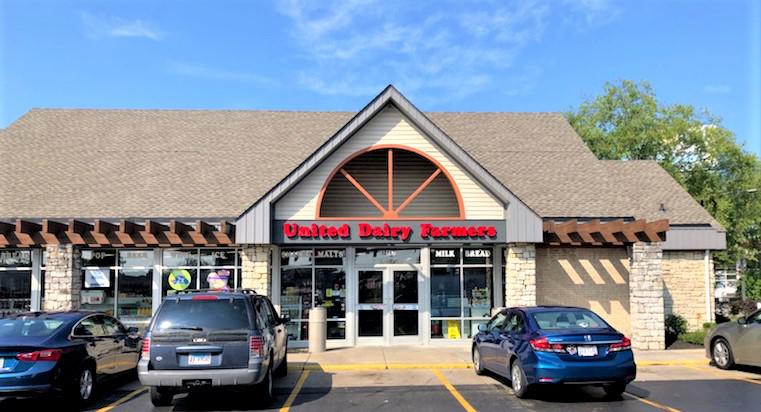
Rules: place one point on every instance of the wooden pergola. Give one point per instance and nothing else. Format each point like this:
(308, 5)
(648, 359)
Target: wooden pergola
(116, 233)
(597, 233)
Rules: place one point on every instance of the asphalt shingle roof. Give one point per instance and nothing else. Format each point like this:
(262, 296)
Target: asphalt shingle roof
(63, 163)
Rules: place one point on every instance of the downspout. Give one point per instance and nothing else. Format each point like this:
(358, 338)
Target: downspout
(707, 275)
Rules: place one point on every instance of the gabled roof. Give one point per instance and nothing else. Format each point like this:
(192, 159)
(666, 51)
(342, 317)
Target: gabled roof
(80, 163)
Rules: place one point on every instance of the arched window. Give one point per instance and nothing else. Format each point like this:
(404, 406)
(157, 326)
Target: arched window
(390, 183)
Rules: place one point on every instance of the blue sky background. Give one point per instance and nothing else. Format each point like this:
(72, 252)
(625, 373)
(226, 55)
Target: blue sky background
(448, 56)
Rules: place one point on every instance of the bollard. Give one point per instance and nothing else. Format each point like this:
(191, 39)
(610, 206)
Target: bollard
(318, 329)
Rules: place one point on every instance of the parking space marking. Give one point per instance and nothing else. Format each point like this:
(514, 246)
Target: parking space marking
(651, 403)
(465, 404)
(725, 375)
(362, 367)
(123, 399)
(295, 392)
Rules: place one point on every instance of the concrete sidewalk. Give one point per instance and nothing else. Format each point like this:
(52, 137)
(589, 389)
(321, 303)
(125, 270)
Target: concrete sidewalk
(445, 357)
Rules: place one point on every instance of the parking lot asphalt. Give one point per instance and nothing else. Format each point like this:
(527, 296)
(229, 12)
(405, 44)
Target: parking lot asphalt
(668, 388)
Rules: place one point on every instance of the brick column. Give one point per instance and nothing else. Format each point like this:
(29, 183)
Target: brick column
(520, 274)
(646, 296)
(63, 278)
(257, 268)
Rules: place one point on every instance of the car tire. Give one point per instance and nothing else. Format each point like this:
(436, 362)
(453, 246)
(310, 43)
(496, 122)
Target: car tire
(615, 390)
(282, 369)
(478, 366)
(518, 380)
(81, 389)
(721, 354)
(264, 388)
(161, 396)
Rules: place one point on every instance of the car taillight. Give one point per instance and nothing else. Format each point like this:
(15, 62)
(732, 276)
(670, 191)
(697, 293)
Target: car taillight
(625, 344)
(256, 346)
(542, 345)
(45, 355)
(146, 351)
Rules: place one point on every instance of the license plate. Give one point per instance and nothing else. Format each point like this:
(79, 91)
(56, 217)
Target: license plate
(199, 359)
(196, 383)
(587, 350)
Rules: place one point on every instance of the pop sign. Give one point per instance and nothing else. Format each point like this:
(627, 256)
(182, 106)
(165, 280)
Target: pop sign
(385, 232)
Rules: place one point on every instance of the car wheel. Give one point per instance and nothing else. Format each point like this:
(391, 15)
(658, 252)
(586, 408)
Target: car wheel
(161, 396)
(282, 369)
(722, 354)
(477, 365)
(265, 386)
(614, 390)
(518, 380)
(80, 391)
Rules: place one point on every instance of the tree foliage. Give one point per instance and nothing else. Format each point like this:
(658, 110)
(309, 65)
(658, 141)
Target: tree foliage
(627, 122)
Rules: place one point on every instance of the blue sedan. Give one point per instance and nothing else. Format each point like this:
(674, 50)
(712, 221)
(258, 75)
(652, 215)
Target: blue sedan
(554, 345)
(66, 353)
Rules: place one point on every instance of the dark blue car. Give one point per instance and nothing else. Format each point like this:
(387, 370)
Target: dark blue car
(64, 353)
(554, 345)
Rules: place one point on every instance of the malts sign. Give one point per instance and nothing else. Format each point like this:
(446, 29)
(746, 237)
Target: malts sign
(400, 231)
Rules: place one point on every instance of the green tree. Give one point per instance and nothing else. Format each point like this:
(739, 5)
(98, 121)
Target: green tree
(627, 122)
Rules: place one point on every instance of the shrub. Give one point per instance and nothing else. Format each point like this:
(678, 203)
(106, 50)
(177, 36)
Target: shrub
(675, 325)
(708, 325)
(744, 307)
(696, 337)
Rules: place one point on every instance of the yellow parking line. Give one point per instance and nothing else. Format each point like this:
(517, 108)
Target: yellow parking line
(123, 399)
(296, 389)
(358, 367)
(454, 392)
(651, 403)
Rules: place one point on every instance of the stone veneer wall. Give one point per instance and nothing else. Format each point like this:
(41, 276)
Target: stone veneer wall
(63, 280)
(646, 296)
(257, 269)
(684, 286)
(520, 274)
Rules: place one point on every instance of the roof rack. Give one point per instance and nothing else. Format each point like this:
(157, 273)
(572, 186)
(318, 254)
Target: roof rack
(245, 291)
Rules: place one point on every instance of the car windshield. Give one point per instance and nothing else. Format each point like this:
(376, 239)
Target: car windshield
(14, 328)
(202, 315)
(568, 319)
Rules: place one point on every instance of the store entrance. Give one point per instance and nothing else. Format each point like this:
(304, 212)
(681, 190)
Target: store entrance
(388, 309)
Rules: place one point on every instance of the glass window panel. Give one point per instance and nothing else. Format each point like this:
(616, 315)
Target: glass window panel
(15, 258)
(330, 291)
(336, 330)
(329, 257)
(180, 257)
(472, 256)
(99, 257)
(176, 280)
(15, 290)
(133, 258)
(296, 293)
(135, 296)
(405, 322)
(296, 257)
(471, 327)
(370, 257)
(370, 323)
(477, 292)
(217, 278)
(446, 329)
(445, 292)
(217, 257)
(445, 256)
(437, 329)
(370, 286)
(405, 286)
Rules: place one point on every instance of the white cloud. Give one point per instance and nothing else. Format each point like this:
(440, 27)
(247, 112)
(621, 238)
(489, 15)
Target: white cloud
(435, 51)
(212, 73)
(103, 26)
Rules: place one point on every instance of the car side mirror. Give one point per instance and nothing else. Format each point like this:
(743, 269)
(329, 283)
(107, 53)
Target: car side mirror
(132, 331)
(482, 327)
(741, 320)
(285, 319)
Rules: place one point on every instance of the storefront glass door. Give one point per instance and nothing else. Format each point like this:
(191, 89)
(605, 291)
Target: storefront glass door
(388, 309)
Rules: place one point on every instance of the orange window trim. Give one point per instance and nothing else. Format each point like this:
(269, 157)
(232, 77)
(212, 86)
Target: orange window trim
(389, 214)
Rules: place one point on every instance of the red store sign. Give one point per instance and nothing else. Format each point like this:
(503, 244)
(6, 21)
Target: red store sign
(365, 231)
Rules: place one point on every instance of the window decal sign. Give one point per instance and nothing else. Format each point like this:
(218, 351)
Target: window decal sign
(179, 279)
(384, 232)
(218, 279)
(97, 278)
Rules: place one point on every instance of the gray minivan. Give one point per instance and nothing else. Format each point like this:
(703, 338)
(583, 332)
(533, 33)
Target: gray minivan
(202, 339)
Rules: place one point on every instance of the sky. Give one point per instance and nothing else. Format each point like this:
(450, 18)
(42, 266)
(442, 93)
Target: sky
(528, 55)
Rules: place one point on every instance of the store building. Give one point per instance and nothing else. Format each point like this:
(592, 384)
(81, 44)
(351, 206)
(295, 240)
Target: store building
(409, 227)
